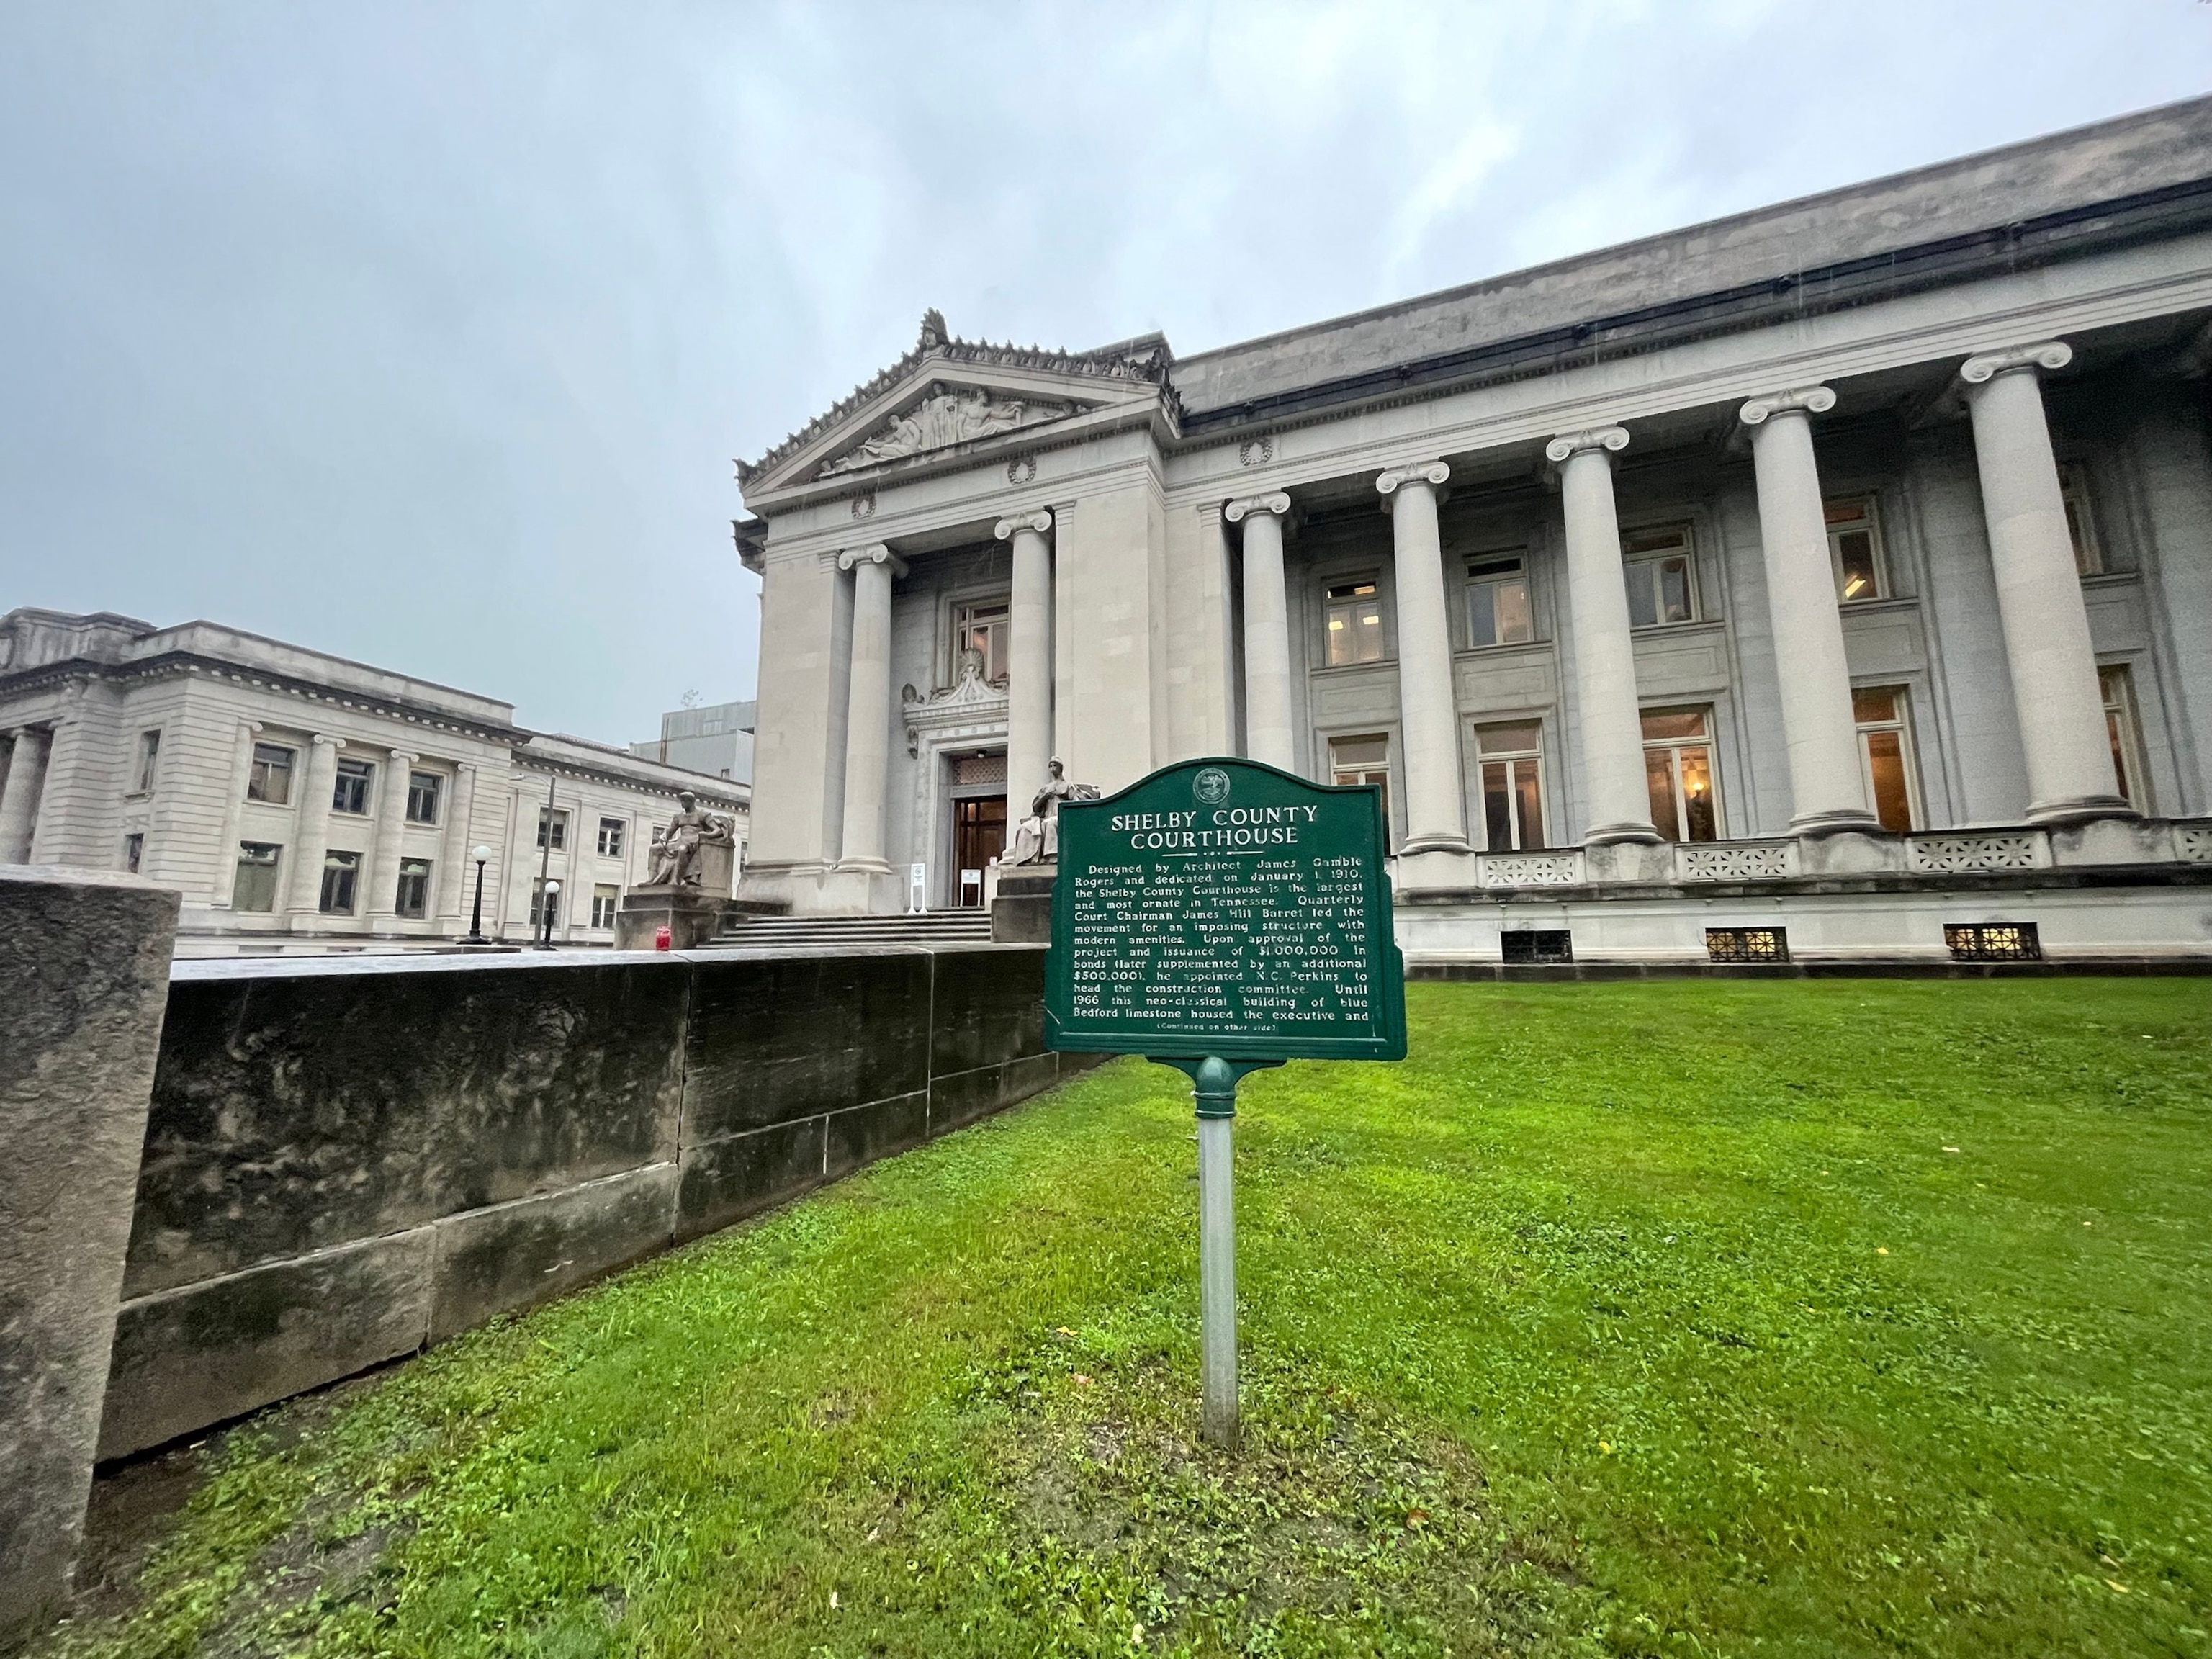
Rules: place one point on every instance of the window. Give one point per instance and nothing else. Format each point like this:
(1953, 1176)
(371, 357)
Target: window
(1993, 941)
(271, 779)
(150, 749)
(605, 902)
(1512, 785)
(2118, 685)
(980, 628)
(1355, 624)
(423, 789)
(559, 822)
(1855, 550)
(612, 835)
(2081, 521)
(350, 792)
(1747, 944)
(134, 852)
(1363, 760)
(538, 903)
(1678, 769)
(1537, 944)
(1893, 781)
(1498, 602)
(254, 888)
(340, 872)
(413, 899)
(1662, 586)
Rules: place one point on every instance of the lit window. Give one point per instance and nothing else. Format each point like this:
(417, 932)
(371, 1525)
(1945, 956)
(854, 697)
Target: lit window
(413, 899)
(340, 872)
(1498, 602)
(149, 751)
(1362, 760)
(1886, 761)
(2119, 688)
(1663, 585)
(270, 780)
(558, 821)
(604, 902)
(541, 900)
(1855, 550)
(1677, 770)
(254, 888)
(612, 833)
(423, 789)
(1355, 624)
(1512, 785)
(2081, 521)
(134, 852)
(980, 628)
(349, 793)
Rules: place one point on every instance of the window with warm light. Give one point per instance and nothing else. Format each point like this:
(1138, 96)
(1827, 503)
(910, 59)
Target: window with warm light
(1855, 550)
(1498, 611)
(1355, 623)
(1511, 759)
(1886, 760)
(2118, 686)
(1363, 759)
(1662, 573)
(1677, 770)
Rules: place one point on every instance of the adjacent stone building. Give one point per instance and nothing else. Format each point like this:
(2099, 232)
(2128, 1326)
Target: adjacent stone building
(304, 803)
(1835, 578)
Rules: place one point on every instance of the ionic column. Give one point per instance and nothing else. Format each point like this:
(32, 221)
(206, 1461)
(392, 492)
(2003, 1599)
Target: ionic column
(1029, 668)
(18, 798)
(2046, 627)
(310, 823)
(868, 714)
(1827, 792)
(224, 881)
(1609, 730)
(391, 816)
(1436, 804)
(1268, 734)
(454, 860)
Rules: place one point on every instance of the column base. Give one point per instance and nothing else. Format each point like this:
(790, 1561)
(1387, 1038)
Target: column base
(2081, 809)
(857, 887)
(1434, 842)
(1853, 819)
(866, 867)
(1628, 830)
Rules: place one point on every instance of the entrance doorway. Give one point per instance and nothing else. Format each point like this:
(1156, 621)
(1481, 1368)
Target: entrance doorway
(979, 834)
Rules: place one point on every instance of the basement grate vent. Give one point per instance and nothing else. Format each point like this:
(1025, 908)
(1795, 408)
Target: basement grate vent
(1538, 944)
(1993, 941)
(1747, 944)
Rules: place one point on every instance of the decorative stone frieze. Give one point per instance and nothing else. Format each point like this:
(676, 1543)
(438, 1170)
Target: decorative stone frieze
(1950, 852)
(1736, 861)
(1532, 869)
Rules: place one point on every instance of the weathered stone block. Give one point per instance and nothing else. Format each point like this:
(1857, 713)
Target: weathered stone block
(188, 1357)
(511, 1255)
(726, 1180)
(989, 1008)
(84, 973)
(867, 1132)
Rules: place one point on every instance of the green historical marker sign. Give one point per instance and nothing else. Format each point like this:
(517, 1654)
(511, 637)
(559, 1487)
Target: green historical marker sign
(1220, 916)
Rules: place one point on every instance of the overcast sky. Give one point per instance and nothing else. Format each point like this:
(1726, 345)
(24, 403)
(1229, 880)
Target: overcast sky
(426, 335)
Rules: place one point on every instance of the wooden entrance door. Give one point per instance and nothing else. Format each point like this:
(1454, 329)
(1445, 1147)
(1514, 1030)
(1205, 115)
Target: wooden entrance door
(979, 834)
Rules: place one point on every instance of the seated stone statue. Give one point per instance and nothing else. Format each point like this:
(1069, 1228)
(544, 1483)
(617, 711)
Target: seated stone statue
(1036, 837)
(675, 849)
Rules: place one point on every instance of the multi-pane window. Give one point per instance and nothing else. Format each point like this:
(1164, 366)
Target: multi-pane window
(2080, 522)
(341, 872)
(1355, 623)
(1677, 770)
(423, 789)
(254, 887)
(1886, 761)
(413, 898)
(134, 851)
(271, 779)
(149, 751)
(981, 628)
(556, 823)
(1364, 759)
(1854, 550)
(612, 832)
(1662, 574)
(349, 792)
(1498, 611)
(1512, 784)
(605, 902)
(543, 902)
(2119, 688)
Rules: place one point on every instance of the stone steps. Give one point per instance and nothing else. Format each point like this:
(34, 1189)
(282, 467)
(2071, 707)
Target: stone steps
(930, 927)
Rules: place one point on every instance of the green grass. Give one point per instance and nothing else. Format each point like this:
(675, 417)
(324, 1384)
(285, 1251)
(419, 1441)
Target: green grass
(1840, 1318)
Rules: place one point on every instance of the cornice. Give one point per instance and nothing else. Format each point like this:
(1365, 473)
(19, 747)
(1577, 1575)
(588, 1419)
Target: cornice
(1805, 400)
(1980, 369)
(538, 760)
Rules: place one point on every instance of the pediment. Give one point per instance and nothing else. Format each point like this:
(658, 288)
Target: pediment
(948, 397)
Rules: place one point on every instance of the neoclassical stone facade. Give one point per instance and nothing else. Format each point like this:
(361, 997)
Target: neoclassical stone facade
(306, 803)
(1843, 568)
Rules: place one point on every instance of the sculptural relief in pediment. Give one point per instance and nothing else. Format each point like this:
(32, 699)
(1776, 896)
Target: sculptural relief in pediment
(948, 416)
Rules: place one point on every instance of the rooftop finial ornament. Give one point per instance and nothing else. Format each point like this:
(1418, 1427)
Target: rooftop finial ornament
(934, 334)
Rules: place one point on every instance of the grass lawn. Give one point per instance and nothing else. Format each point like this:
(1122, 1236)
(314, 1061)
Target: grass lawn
(1829, 1318)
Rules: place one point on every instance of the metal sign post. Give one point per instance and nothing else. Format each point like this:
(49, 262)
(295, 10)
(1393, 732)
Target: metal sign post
(1218, 917)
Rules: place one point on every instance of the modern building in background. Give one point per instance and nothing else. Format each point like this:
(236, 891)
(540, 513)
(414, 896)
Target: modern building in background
(1841, 570)
(716, 738)
(304, 803)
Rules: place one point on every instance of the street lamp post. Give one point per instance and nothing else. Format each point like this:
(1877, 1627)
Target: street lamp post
(476, 916)
(549, 895)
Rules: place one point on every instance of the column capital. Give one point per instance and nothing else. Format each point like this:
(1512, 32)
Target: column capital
(879, 554)
(406, 757)
(1569, 444)
(1040, 521)
(1804, 400)
(1428, 472)
(1275, 501)
(324, 740)
(1985, 366)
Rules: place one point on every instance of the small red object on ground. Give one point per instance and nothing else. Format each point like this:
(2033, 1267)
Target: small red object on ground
(661, 938)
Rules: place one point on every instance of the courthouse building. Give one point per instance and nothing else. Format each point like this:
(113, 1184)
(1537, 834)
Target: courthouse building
(304, 803)
(1835, 577)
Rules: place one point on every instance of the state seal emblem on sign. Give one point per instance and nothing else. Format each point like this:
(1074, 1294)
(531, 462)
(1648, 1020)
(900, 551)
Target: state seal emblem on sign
(1211, 785)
